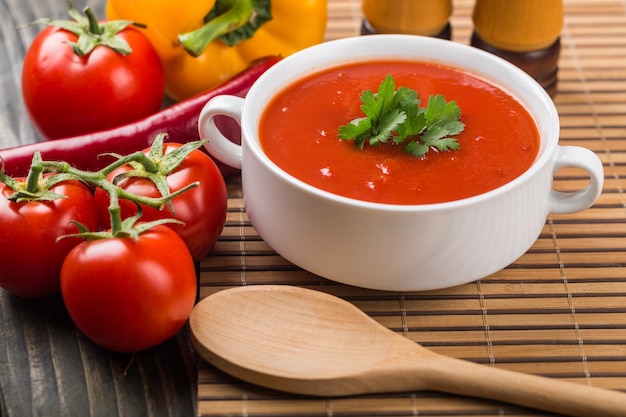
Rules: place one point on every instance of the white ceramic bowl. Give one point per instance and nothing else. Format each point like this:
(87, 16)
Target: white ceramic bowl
(356, 242)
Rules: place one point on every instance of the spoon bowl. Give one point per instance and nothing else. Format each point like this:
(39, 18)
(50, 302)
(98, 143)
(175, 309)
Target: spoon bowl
(308, 342)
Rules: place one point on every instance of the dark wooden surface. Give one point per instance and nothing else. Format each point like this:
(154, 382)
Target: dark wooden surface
(47, 368)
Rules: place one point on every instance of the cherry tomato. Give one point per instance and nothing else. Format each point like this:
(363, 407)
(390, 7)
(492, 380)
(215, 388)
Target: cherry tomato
(128, 295)
(202, 209)
(67, 95)
(31, 257)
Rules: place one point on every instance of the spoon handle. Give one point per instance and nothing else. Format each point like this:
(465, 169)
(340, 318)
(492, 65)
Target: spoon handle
(568, 398)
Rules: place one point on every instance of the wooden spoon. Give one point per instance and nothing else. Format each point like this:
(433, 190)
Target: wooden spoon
(308, 342)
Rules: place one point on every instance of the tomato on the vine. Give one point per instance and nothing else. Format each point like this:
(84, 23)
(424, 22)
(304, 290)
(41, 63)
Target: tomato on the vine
(30, 254)
(201, 209)
(84, 76)
(128, 294)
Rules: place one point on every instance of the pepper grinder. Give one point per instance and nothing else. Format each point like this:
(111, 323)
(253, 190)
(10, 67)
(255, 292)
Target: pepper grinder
(412, 17)
(524, 32)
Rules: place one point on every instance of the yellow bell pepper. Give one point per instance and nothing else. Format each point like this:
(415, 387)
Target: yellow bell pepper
(191, 36)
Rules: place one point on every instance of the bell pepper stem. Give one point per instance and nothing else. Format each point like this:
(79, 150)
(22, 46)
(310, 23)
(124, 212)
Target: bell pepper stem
(237, 14)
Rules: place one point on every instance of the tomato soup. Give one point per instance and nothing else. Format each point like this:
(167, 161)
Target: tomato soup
(299, 133)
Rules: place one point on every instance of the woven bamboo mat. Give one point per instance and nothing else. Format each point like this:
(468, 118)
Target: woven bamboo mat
(559, 311)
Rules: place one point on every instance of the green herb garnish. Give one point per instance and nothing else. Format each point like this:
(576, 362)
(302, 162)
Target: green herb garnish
(396, 116)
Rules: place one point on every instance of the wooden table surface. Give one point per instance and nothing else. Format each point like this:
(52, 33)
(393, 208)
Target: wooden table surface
(559, 311)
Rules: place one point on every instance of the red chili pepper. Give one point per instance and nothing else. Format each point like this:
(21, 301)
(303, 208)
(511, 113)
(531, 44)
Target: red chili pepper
(179, 121)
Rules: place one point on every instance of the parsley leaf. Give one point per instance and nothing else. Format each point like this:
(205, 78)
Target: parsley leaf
(395, 115)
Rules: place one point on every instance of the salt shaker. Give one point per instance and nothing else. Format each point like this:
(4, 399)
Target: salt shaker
(524, 32)
(413, 17)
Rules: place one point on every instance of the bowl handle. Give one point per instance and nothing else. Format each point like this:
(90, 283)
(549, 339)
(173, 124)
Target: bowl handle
(577, 157)
(219, 145)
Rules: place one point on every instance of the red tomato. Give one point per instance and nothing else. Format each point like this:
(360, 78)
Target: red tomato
(128, 295)
(68, 95)
(202, 209)
(31, 257)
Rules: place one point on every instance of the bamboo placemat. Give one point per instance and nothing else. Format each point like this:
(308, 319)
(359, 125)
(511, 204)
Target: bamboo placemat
(558, 311)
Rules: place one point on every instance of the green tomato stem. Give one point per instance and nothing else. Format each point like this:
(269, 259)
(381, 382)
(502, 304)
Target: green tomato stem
(94, 25)
(99, 180)
(147, 164)
(115, 212)
(115, 192)
(34, 174)
(90, 32)
(154, 166)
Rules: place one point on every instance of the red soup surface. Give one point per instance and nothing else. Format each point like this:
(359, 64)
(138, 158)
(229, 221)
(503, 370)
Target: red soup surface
(299, 132)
